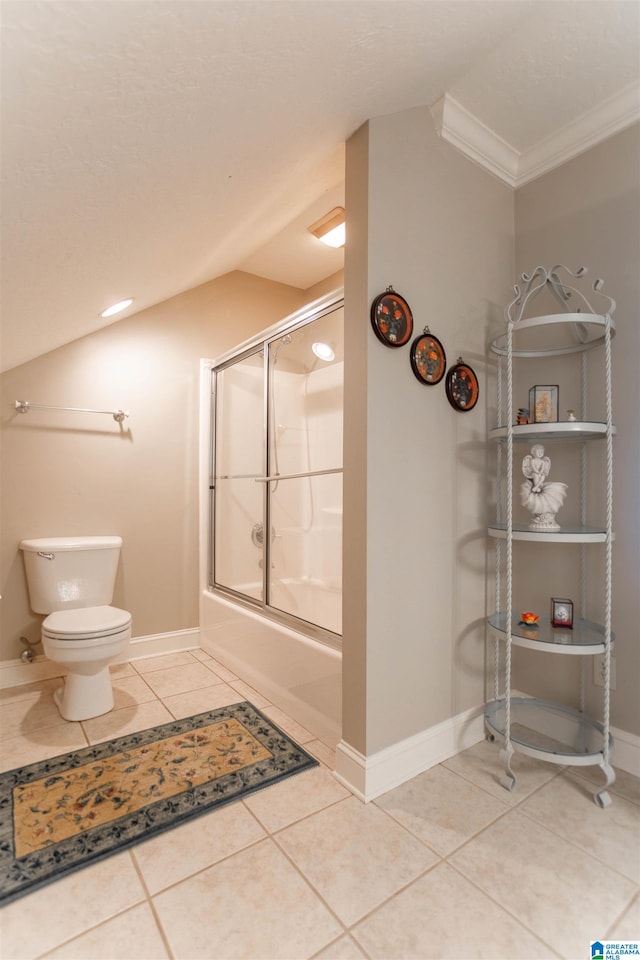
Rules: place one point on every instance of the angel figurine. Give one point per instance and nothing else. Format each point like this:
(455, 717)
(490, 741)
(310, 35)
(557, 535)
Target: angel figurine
(541, 497)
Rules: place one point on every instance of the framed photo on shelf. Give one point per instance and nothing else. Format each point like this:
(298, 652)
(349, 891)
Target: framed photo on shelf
(543, 403)
(428, 359)
(561, 613)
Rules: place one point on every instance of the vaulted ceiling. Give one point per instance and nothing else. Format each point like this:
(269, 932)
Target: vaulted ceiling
(151, 145)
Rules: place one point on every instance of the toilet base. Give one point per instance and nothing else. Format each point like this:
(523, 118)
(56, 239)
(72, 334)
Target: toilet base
(83, 697)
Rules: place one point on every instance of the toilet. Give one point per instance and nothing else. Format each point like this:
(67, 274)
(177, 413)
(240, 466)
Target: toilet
(72, 580)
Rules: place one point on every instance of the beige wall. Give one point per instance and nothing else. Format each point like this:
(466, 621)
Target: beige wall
(72, 474)
(440, 229)
(587, 213)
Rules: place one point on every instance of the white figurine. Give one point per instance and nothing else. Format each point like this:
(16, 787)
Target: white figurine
(542, 498)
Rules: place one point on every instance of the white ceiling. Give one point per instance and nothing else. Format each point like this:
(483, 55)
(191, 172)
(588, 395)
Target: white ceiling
(150, 145)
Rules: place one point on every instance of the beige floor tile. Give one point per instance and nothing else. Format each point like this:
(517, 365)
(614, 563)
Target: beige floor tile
(29, 691)
(41, 745)
(355, 856)
(295, 730)
(626, 785)
(322, 752)
(343, 949)
(295, 798)
(627, 927)
(132, 934)
(443, 916)
(253, 905)
(180, 679)
(201, 655)
(199, 843)
(35, 713)
(163, 662)
(612, 834)
(52, 915)
(441, 808)
(248, 693)
(120, 670)
(199, 701)
(118, 723)
(545, 882)
(127, 691)
(481, 765)
(223, 672)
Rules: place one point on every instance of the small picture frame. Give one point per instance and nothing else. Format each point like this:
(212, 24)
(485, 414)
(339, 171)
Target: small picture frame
(462, 387)
(543, 403)
(562, 613)
(391, 318)
(428, 359)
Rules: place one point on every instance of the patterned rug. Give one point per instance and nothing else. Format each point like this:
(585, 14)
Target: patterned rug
(62, 814)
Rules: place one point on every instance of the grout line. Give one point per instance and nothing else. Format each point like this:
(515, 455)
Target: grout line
(152, 906)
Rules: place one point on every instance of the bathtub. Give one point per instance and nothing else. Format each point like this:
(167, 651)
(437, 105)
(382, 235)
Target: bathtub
(300, 675)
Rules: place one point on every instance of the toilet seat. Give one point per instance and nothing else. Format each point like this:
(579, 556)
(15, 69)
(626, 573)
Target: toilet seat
(86, 623)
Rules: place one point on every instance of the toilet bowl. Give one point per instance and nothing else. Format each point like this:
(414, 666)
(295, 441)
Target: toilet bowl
(72, 580)
(85, 641)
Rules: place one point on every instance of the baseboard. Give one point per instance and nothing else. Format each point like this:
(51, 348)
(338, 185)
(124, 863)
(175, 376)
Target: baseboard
(370, 777)
(15, 673)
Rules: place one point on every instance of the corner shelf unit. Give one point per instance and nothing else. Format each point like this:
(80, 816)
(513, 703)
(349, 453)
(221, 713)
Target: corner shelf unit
(539, 728)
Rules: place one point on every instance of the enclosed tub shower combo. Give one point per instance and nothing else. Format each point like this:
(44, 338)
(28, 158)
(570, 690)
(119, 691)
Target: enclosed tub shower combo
(272, 533)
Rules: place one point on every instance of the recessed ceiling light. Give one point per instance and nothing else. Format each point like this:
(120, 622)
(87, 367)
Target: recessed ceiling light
(116, 308)
(330, 228)
(323, 351)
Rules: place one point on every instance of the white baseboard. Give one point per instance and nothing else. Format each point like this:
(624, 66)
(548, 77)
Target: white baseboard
(626, 751)
(15, 673)
(370, 777)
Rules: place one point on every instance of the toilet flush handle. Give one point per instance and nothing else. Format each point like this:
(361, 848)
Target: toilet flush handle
(46, 556)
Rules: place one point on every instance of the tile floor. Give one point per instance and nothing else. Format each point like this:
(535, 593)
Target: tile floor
(447, 865)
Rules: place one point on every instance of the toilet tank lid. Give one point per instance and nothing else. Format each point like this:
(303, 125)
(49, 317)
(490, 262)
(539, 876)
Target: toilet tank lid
(51, 544)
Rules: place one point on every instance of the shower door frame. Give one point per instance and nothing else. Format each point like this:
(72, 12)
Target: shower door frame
(252, 347)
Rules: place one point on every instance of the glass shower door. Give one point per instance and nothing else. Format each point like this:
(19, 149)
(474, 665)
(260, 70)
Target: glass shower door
(238, 525)
(277, 467)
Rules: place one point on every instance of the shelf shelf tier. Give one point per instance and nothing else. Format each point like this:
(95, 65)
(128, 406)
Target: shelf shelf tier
(565, 430)
(576, 534)
(586, 330)
(585, 638)
(549, 731)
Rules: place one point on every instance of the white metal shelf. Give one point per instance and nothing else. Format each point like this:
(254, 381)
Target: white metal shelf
(577, 534)
(538, 728)
(589, 330)
(549, 731)
(585, 638)
(566, 430)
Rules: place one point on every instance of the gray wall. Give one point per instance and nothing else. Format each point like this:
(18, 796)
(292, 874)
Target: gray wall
(440, 230)
(587, 213)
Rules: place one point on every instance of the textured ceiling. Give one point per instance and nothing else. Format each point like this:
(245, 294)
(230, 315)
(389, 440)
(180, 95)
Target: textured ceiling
(149, 146)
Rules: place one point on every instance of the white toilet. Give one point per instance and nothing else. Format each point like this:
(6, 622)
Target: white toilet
(72, 579)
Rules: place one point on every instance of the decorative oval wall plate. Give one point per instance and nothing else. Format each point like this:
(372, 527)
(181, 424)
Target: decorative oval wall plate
(391, 318)
(462, 387)
(428, 359)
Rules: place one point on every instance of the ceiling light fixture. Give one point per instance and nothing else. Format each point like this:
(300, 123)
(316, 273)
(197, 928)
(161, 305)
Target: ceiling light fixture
(116, 308)
(323, 351)
(330, 228)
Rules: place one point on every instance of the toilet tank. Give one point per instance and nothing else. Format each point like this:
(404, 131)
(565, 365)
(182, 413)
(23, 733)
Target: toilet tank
(65, 573)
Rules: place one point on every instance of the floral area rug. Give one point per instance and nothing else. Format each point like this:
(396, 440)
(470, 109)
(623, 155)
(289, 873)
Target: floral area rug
(64, 813)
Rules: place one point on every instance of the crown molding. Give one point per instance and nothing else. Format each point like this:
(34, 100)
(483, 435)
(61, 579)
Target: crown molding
(474, 139)
(464, 131)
